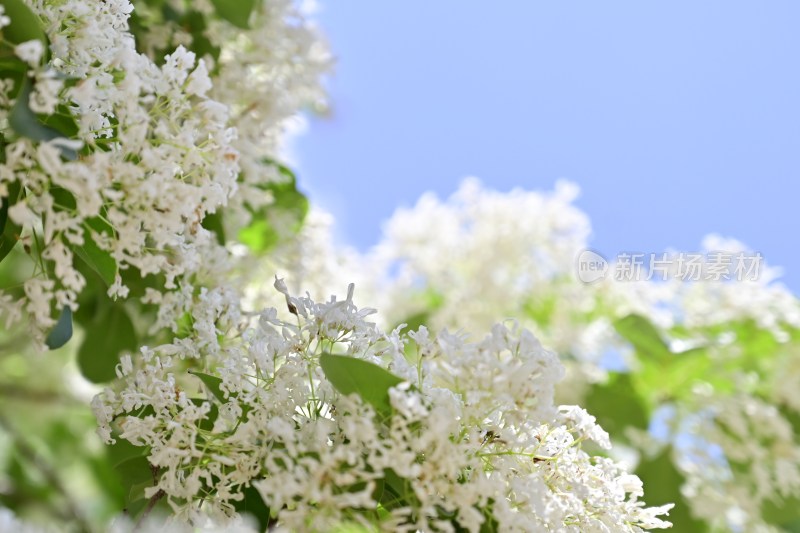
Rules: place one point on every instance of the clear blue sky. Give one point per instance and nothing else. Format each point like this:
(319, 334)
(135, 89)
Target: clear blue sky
(677, 119)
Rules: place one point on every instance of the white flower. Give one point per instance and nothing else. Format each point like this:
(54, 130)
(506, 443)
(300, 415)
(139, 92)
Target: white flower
(22, 214)
(4, 20)
(199, 82)
(30, 51)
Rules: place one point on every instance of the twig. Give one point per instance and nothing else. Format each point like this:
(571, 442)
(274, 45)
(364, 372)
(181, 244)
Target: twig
(150, 504)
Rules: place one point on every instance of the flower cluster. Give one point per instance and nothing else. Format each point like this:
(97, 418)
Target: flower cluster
(276, 50)
(721, 356)
(116, 159)
(334, 421)
(154, 155)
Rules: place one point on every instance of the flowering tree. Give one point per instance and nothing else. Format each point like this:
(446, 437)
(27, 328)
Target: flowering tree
(144, 204)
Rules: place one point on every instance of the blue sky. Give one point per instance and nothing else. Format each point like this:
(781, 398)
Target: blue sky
(677, 119)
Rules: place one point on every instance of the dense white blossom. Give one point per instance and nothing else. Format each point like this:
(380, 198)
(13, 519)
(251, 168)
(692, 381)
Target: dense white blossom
(161, 143)
(482, 255)
(474, 433)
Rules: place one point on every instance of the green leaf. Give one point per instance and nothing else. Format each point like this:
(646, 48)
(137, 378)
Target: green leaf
(98, 259)
(756, 347)
(12, 67)
(662, 484)
(62, 332)
(784, 513)
(195, 24)
(9, 231)
(213, 383)
(394, 491)
(356, 376)
(207, 424)
(541, 308)
(429, 301)
(14, 70)
(415, 321)
(643, 335)
(213, 223)
(62, 121)
(25, 25)
(25, 122)
(237, 12)
(280, 219)
(110, 334)
(133, 473)
(669, 379)
(253, 504)
(62, 198)
(129, 460)
(291, 201)
(616, 404)
(259, 236)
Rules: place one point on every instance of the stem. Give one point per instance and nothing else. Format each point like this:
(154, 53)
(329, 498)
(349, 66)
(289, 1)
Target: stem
(150, 505)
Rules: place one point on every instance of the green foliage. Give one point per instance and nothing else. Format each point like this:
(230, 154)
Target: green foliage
(25, 26)
(97, 259)
(395, 491)
(253, 504)
(27, 124)
(236, 12)
(9, 231)
(152, 13)
(616, 404)
(627, 400)
(131, 467)
(644, 337)
(356, 376)
(662, 483)
(666, 380)
(541, 309)
(132, 473)
(783, 513)
(213, 223)
(272, 224)
(663, 375)
(416, 320)
(109, 334)
(430, 301)
(280, 219)
(62, 331)
(213, 383)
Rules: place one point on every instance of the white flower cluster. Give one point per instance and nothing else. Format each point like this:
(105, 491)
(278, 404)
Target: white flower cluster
(160, 142)
(265, 73)
(463, 433)
(157, 156)
(518, 252)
